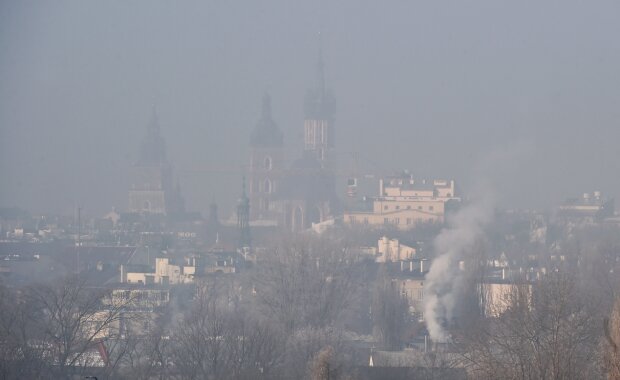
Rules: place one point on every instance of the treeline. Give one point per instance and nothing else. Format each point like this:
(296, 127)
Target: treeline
(301, 312)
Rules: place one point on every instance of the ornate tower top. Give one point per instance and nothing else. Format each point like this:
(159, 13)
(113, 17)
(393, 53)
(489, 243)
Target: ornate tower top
(319, 109)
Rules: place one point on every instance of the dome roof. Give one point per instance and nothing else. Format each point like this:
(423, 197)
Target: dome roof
(266, 133)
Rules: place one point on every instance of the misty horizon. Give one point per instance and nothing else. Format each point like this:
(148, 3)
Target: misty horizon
(433, 88)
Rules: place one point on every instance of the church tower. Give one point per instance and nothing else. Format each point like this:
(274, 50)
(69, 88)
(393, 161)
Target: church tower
(266, 165)
(319, 110)
(152, 190)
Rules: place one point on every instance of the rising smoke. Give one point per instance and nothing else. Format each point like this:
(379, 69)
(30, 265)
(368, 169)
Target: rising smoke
(444, 281)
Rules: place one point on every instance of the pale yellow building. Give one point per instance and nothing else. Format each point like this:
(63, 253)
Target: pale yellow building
(165, 273)
(413, 290)
(404, 201)
(392, 250)
(501, 295)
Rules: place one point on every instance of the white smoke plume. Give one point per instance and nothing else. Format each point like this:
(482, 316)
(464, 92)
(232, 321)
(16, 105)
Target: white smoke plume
(443, 282)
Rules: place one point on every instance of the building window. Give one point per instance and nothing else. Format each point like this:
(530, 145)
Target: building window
(385, 207)
(365, 220)
(408, 220)
(267, 186)
(408, 207)
(352, 219)
(419, 207)
(386, 221)
(396, 220)
(267, 164)
(431, 208)
(398, 207)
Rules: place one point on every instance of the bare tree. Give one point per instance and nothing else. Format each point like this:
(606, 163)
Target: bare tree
(303, 348)
(69, 320)
(216, 340)
(18, 359)
(323, 366)
(551, 335)
(306, 281)
(611, 349)
(389, 311)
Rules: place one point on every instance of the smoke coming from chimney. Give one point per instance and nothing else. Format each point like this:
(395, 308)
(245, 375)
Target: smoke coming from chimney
(443, 283)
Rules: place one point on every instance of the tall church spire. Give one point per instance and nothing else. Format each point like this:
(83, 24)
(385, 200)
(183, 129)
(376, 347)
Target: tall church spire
(319, 109)
(320, 70)
(153, 150)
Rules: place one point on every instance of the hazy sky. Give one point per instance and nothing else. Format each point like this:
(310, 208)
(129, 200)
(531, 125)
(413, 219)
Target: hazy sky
(427, 85)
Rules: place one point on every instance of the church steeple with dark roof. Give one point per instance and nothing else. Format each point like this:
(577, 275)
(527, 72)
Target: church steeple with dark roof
(266, 133)
(266, 160)
(152, 190)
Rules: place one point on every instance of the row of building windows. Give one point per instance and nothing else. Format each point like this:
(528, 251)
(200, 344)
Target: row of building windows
(408, 221)
(262, 187)
(353, 220)
(386, 207)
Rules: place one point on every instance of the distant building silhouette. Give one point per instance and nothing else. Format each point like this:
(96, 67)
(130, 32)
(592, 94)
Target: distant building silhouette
(304, 193)
(152, 190)
(404, 201)
(266, 165)
(319, 111)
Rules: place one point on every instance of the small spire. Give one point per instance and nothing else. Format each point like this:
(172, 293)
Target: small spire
(243, 218)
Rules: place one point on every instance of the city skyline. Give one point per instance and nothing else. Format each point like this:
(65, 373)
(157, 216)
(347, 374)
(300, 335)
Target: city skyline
(75, 105)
